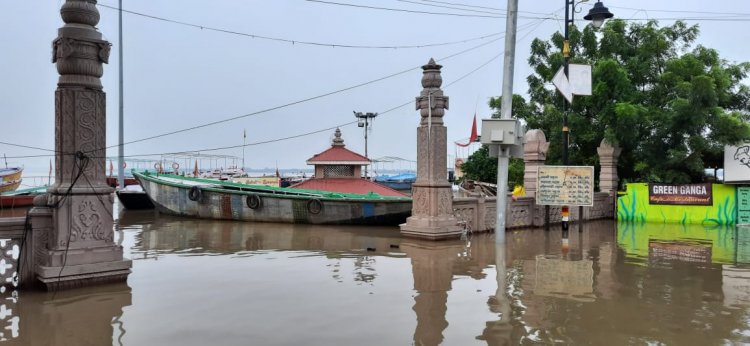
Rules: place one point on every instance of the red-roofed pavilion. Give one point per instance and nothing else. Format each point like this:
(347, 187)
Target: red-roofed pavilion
(338, 169)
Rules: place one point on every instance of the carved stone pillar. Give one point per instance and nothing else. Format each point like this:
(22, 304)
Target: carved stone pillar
(534, 155)
(80, 248)
(608, 155)
(432, 208)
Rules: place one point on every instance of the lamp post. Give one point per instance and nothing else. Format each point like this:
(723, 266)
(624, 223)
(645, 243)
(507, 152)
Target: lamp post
(597, 15)
(364, 121)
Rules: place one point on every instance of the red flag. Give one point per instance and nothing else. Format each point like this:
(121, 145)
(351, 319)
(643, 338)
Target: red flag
(474, 136)
(111, 168)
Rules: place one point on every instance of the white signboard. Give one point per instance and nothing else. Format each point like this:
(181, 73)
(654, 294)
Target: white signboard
(737, 163)
(578, 81)
(565, 185)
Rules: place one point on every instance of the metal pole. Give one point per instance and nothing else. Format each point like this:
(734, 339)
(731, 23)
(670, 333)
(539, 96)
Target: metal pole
(366, 125)
(569, 12)
(121, 135)
(503, 156)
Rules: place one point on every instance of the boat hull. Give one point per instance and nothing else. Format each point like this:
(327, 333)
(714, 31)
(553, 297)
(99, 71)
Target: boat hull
(16, 201)
(216, 203)
(136, 200)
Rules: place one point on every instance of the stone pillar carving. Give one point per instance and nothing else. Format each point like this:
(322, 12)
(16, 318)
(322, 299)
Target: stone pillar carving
(608, 155)
(432, 208)
(80, 247)
(534, 155)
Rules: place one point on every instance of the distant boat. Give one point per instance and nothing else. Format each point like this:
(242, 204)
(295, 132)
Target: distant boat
(20, 198)
(214, 199)
(10, 178)
(397, 182)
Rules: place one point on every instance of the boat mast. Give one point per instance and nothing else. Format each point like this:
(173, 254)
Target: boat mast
(244, 138)
(121, 151)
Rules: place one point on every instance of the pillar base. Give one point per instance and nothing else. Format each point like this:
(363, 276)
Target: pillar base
(72, 276)
(431, 228)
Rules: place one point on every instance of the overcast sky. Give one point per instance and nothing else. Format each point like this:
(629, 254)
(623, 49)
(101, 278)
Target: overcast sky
(179, 76)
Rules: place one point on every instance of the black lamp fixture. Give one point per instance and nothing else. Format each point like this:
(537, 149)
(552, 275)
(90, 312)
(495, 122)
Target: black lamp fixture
(598, 14)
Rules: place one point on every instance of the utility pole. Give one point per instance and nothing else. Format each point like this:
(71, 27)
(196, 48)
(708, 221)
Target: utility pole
(121, 131)
(364, 121)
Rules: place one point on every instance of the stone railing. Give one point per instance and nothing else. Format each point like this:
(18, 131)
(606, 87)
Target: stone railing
(479, 213)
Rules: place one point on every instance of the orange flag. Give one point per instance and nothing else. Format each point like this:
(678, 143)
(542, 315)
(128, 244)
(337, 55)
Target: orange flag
(195, 170)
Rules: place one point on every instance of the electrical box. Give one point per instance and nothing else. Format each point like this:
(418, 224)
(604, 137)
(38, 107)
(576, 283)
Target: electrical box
(502, 132)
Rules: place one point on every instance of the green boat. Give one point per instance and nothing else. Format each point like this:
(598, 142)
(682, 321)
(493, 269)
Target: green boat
(212, 199)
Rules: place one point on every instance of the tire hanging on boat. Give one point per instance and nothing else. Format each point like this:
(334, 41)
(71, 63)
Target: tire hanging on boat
(314, 206)
(253, 201)
(195, 193)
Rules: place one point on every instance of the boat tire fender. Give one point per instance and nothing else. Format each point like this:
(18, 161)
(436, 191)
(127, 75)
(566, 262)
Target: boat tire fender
(195, 193)
(314, 206)
(254, 201)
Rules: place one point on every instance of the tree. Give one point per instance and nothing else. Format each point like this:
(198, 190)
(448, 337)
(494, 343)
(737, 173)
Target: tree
(669, 104)
(481, 167)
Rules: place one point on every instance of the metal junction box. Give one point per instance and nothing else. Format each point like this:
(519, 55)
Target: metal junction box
(502, 132)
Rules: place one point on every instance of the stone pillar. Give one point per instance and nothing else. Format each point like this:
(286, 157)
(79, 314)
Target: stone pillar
(534, 155)
(608, 155)
(80, 249)
(432, 206)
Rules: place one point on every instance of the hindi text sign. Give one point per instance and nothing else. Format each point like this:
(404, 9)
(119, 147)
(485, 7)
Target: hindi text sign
(565, 185)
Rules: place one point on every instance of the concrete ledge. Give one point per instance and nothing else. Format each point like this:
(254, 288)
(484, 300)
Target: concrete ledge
(94, 269)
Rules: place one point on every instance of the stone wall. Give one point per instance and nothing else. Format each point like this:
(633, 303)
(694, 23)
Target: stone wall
(479, 213)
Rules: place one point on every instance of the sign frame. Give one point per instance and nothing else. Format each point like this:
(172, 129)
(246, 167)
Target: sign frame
(565, 192)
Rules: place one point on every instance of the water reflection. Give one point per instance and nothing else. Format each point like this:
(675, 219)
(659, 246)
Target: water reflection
(89, 316)
(272, 284)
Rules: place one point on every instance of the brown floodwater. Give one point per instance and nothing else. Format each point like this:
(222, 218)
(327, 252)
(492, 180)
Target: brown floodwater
(199, 282)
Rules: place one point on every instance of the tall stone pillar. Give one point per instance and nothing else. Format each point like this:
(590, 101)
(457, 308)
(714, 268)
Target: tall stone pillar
(80, 249)
(432, 206)
(608, 155)
(534, 155)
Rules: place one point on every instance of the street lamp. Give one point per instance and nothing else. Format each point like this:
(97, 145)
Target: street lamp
(364, 121)
(597, 15)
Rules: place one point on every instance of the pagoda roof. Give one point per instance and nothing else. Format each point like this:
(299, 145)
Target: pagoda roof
(338, 155)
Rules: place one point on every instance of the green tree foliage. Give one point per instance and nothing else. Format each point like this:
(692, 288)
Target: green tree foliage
(481, 167)
(670, 104)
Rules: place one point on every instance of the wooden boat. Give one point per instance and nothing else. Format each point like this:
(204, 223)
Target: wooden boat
(20, 198)
(213, 199)
(133, 197)
(10, 178)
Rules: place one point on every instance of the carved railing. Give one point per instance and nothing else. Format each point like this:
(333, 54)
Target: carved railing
(479, 213)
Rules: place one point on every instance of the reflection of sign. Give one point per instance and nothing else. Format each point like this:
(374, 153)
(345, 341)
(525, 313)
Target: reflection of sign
(565, 185)
(688, 194)
(743, 205)
(737, 164)
(683, 251)
(557, 277)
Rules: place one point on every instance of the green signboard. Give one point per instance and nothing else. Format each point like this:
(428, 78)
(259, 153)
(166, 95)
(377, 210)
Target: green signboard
(743, 205)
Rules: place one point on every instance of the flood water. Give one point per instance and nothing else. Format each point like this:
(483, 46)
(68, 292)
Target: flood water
(198, 282)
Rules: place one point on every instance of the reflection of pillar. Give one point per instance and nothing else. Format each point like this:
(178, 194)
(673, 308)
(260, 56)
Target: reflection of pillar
(80, 248)
(432, 268)
(432, 208)
(499, 332)
(534, 155)
(608, 155)
(79, 317)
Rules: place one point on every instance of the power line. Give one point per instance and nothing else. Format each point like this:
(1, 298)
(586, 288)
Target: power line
(449, 7)
(351, 122)
(404, 10)
(522, 27)
(296, 42)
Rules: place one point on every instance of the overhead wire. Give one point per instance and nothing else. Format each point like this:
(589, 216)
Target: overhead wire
(302, 42)
(522, 27)
(335, 126)
(404, 10)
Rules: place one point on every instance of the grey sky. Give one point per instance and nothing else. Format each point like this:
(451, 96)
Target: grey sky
(178, 76)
